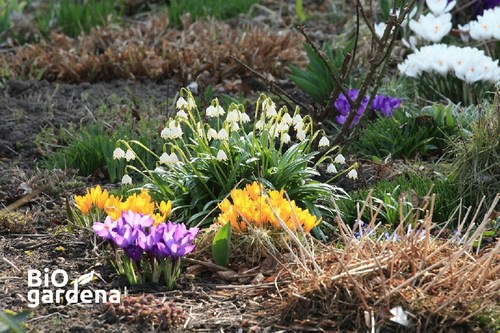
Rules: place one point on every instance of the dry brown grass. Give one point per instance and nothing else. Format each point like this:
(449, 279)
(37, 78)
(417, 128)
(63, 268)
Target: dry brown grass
(154, 50)
(440, 284)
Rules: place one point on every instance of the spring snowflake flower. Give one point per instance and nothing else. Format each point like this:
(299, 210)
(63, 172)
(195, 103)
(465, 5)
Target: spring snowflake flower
(215, 111)
(181, 103)
(301, 135)
(282, 127)
(324, 142)
(126, 180)
(166, 158)
(211, 134)
(259, 125)
(191, 103)
(297, 119)
(331, 168)
(182, 115)
(339, 159)
(118, 153)
(235, 127)
(353, 174)
(232, 116)
(439, 7)
(129, 155)
(172, 131)
(269, 108)
(285, 138)
(221, 156)
(432, 28)
(222, 135)
(287, 119)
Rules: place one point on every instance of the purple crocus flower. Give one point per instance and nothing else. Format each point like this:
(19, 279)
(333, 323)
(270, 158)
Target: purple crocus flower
(137, 220)
(176, 240)
(123, 234)
(383, 104)
(104, 229)
(134, 252)
(148, 240)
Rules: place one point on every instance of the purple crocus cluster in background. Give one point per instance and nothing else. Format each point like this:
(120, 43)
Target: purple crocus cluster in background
(136, 234)
(385, 105)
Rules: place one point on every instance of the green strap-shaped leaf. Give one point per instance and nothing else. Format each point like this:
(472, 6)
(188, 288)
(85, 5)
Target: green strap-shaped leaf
(221, 245)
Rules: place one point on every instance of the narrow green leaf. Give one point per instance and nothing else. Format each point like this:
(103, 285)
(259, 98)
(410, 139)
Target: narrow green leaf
(221, 245)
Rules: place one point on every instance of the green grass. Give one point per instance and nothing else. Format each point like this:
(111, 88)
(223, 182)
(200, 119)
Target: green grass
(219, 9)
(409, 188)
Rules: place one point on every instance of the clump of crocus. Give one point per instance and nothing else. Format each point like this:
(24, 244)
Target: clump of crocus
(97, 202)
(382, 104)
(145, 250)
(254, 205)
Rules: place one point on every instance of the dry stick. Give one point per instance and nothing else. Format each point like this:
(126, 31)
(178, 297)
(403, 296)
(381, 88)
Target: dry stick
(207, 264)
(272, 86)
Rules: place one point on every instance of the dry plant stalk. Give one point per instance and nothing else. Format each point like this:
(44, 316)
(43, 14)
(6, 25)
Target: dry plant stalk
(439, 283)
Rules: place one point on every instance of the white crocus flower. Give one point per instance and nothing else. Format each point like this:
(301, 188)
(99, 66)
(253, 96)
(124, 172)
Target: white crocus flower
(340, 159)
(439, 7)
(126, 180)
(410, 66)
(211, 134)
(440, 62)
(221, 156)
(324, 142)
(222, 135)
(129, 155)
(331, 168)
(181, 103)
(118, 154)
(464, 32)
(353, 174)
(432, 28)
(285, 138)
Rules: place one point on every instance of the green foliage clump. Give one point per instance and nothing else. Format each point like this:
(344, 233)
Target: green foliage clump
(409, 135)
(219, 9)
(411, 189)
(315, 79)
(476, 169)
(90, 148)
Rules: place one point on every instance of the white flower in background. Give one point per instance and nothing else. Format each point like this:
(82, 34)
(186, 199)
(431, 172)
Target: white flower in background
(211, 134)
(339, 159)
(222, 135)
(286, 119)
(487, 26)
(191, 103)
(166, 158)
(410, 66)
(331, 168)
(181, 103)
(324, 142)
(118, 153)
(285, 138)
(301, 135)
(282, 127)
(232, 116)
(182, 115)
(259, 124)
(126, 180)
(464, 32)
(432, 28)
(353, 174)
(129, 155)
(439, 7)
(172, 131)
(297, 119)
(269, 108)
(411, 43)
(215, 111)
(221, 156)
(380, 29)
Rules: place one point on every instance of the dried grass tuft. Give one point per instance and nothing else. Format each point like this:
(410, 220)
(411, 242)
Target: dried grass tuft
(440, 284)
(154, 50)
